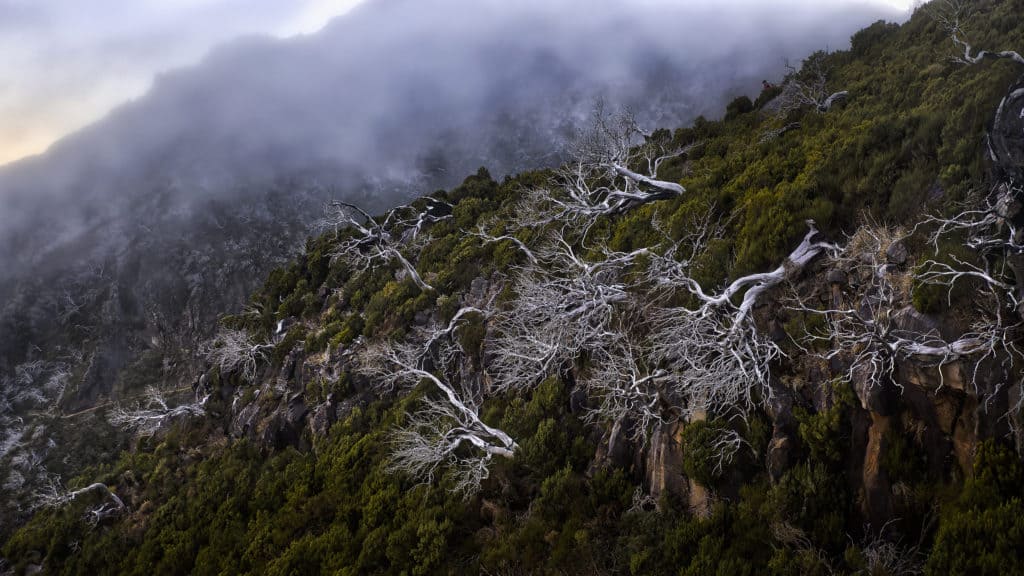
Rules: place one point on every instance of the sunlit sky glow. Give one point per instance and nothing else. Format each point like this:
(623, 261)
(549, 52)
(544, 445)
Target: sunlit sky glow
(66, 63)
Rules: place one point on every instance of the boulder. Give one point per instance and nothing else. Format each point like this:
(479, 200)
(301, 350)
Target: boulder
(836, 276)
(478, 290)
(897, 253)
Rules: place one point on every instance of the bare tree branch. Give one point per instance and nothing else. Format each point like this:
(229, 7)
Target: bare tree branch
(235, 350)
(717, 357)
(53, 495)
(148, 418)
(954, 15)
(565, 305)
(628, 390)
(875, 331)
(613, 168)
(446, 432)
(724, 449)
(808, 88)
(373, 242)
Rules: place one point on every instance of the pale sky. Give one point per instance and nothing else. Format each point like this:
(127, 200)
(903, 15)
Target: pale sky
(66, 63)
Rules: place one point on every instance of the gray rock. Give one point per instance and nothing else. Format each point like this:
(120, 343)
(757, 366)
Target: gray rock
(663, 462)
(322, 418)
(243, 423)
(780, 408)
(1007, 205)
(897, 253)
(836, 277)
(296, 412)
(478, 289)
(878, 397)
(912, 321)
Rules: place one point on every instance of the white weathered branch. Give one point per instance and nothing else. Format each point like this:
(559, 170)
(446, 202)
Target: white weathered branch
(717, 357)
(371, 242)
(878, 329)
(627, 390)
(564, 305)
(444, 432)
(487, 238)
(613, 169)
(953, 16)
(148, 418)
(53, 495)
(724, 449)
(808, 88)
(235, 350)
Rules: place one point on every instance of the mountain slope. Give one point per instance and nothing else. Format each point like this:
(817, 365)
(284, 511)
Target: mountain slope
(122, 244)
(837, 468)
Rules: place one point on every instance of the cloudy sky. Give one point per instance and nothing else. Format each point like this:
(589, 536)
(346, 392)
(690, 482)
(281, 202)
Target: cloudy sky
(65, 63)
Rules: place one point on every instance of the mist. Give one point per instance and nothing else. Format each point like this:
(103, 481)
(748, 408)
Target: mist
(394, 99)
(398, 90)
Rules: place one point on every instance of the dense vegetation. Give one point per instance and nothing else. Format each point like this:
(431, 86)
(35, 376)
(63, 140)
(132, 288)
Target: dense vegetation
(908, 139)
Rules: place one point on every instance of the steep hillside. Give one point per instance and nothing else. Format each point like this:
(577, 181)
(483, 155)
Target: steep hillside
(785, 342)
(121, 245)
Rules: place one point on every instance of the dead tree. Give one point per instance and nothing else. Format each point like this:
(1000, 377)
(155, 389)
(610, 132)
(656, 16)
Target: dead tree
(718, 358)
(565, 305)
(724, 448)
(874, 327)
(613, 168)
(991, 231)
(1005, 139)
(445, 431)
(987, 229)
(38, 383)
(53, 495)
(148, 418)
(954, 15)
(235, 351)
(808, 87)
(482, 232)
(371, 242)
(629, 388)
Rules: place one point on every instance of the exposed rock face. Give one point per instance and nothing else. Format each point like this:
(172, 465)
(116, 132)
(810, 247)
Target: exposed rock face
(877, 495)
(699, 500)
(875, 396)
(244, 421)
(322, 417)
(778, 458)
(297, 411)
(897, 253)
(478, 290)
(933, 414)
(965, 437)
(663, 462)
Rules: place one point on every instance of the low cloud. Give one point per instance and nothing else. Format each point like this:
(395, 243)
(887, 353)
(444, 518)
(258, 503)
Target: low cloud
(396, 97)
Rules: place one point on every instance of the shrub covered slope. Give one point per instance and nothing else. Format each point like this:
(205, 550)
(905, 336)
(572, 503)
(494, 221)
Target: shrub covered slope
(291, 468)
